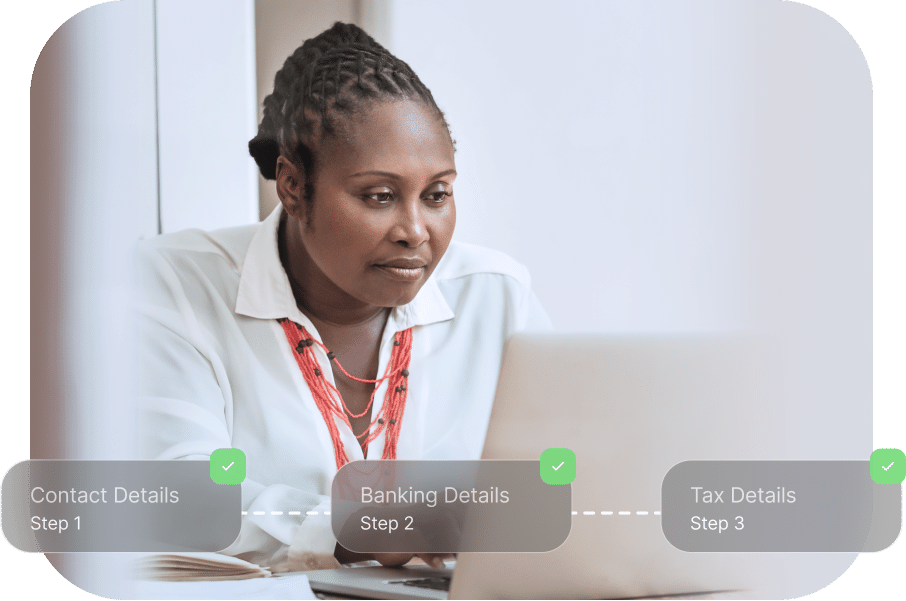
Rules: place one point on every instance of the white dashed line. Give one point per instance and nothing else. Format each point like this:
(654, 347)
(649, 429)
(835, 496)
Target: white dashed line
(619, 513)
(573, 513)
(245, 513)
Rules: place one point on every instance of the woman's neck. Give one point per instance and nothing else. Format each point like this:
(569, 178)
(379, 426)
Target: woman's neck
(316, 296)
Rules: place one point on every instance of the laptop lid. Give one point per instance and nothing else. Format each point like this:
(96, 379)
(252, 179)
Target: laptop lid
(631, 408)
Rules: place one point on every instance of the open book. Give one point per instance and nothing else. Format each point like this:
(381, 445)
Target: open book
(196, 567)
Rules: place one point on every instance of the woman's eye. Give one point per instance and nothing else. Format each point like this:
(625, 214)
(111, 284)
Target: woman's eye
(439, 195)
(380, 197)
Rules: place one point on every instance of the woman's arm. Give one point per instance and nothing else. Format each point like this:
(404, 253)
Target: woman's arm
(186, 411)
(183, 416)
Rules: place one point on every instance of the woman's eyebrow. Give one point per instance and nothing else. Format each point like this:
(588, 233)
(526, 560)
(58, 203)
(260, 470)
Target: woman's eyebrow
(381, 173)
(397, 176)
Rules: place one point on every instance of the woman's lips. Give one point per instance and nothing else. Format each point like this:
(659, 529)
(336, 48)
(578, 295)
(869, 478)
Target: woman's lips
(405, 271)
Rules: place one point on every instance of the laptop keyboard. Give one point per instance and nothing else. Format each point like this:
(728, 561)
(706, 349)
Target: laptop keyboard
(440, 583)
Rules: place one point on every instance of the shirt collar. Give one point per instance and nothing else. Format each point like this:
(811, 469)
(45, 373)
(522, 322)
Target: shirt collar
(265, 293)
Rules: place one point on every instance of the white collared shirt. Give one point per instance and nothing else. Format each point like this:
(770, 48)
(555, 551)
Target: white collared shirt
(216, 371)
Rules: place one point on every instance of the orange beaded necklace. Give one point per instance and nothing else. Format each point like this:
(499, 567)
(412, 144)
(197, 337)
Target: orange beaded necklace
(330, 403)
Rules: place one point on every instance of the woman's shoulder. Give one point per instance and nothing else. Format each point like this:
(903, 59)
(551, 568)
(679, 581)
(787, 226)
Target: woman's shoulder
(488, 290)
(226, 247)
(467, 260)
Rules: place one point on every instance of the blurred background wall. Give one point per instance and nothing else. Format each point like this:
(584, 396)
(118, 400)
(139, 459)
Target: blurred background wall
(205, 69)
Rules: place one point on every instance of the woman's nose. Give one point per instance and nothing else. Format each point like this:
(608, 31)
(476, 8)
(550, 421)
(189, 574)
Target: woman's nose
(410, 228)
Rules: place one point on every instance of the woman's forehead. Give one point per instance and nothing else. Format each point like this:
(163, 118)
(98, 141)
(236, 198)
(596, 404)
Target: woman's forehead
(398, 134)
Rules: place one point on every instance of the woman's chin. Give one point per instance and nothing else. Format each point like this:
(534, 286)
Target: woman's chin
(396, 296)
(395, 290)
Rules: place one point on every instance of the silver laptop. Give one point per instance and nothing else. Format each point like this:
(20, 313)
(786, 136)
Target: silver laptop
(630, 408)
(409, 582)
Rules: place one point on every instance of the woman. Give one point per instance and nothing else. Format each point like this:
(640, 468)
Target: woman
(347, 324)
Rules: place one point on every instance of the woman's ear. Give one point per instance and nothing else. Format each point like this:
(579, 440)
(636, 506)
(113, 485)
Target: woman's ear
(290, 187)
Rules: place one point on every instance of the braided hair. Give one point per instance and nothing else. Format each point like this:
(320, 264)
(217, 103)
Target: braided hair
(328, 79)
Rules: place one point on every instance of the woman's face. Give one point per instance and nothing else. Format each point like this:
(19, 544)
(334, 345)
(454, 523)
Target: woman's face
(382, 214)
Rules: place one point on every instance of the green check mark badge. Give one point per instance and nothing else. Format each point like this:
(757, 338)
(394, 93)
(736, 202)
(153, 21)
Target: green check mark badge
(227, 466)
(887, 466)
(558, 466)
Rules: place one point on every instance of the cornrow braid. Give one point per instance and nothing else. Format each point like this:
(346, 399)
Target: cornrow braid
(328, 79)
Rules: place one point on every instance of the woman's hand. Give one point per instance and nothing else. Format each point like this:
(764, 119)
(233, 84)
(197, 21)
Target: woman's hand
(391, 560)
(435, 560)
